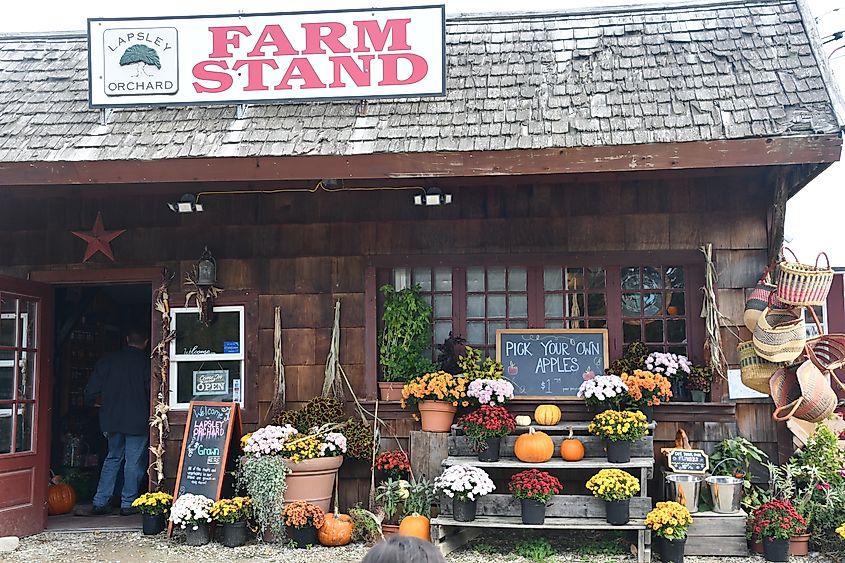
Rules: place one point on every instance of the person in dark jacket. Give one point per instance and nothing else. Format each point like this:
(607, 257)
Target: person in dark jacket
(121, 382)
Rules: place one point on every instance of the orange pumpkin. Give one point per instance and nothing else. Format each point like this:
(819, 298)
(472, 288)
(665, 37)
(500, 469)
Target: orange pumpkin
(336, 531)
(416, 526)
(61, 498)
(534, 447)
(672, 310)
(547, 415)
(572, 449)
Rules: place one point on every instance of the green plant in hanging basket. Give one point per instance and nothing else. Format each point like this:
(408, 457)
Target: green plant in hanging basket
(406, 335)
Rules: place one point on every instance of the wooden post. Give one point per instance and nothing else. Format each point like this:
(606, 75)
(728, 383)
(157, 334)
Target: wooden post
(428, 450)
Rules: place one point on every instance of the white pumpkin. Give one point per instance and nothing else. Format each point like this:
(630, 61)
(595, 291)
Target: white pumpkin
(523, 420)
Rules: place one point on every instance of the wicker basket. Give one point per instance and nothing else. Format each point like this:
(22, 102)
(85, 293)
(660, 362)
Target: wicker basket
(780, 334)
(755, 371)
(803, 392)
(803, 285)
(827, 351)
(759, 299)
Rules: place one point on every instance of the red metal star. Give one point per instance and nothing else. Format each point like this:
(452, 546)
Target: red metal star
(98, 239)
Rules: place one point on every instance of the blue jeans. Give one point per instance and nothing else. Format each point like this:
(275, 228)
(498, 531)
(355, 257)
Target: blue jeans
(132, 449)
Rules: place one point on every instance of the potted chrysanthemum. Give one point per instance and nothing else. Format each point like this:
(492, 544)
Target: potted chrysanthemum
(464, 484)
(670, 522)
(534, 489)
(232, 514)
(153, 507)
(437, 396)
(491, 392)
(485, 428)
(302, 520)
(647, 390)
(615, 487)
(776, 522)
(191, 513)
(620, 429)
(603, 392)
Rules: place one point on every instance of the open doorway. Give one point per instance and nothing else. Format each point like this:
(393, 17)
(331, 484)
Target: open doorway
(92, 321)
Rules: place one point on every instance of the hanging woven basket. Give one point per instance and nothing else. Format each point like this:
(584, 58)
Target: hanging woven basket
(804, 285)
(755, 372)
(780, 334)
(802, 391)
(758, 299)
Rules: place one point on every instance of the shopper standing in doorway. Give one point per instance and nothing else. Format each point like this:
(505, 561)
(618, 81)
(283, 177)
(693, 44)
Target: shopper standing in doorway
(121, 382)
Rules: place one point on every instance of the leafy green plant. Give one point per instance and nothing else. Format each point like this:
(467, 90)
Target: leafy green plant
(264, 478)
(536, 549)
(632, 358)
(734, 457)
(366, 526)
(406, 335)
(473, 367)
(822, 452)
(484, 548)
(390, 494)
(420, 497)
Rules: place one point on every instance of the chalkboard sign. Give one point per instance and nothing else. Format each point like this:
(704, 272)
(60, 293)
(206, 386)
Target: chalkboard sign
(210, 432)
(551, 363)
(688, 461)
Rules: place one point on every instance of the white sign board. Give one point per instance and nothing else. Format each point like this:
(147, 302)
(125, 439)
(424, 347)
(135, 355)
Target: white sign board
(267, 58)
(211, 382)
(738, 390)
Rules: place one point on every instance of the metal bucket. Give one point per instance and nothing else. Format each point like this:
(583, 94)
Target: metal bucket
(684, 489)
(727, 494)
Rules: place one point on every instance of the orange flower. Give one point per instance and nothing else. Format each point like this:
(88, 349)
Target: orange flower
(646, 387)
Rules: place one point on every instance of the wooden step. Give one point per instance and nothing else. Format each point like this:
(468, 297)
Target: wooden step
(549, 524)
(554, 463)
(594, 447)
(560, 506)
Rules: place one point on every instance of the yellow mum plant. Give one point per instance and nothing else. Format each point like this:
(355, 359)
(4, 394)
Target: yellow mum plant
(301, 448)
(153, 503)
(613, 485)
(617, 426)
(435, 386)
(841, 531)
(647, 388)
(231, 510)
(669, 520)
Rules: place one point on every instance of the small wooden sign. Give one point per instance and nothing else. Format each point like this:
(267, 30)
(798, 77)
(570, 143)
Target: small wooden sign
(688, 461)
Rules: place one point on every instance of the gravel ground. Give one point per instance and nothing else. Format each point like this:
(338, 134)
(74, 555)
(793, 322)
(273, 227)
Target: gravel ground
(137, 548)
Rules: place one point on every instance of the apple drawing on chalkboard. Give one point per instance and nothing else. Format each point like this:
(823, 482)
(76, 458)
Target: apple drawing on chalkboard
(512, 369)
(589, 374)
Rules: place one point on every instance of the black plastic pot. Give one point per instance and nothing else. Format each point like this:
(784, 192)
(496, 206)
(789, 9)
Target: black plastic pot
(491, 452)
(672, 551)
(533, 512)
(197, 537)
(698, 396)
(618, 512)
(648, 412)
(463, 510)
(301, 537)
(234, 534)
(153, 524)
(776, 550)
(618, 452)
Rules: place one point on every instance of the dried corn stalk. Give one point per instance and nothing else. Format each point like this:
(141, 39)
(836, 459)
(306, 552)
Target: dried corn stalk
(161, 357)
(332, 385)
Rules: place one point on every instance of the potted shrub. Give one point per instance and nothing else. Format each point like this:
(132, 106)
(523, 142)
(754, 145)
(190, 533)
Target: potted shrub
(647, 390)
(302, 520)
(534, 489)
(390, 495)
(615, 487)
(619, 429)
(698, 382)
(394, 463)
(485, 428)
(464, 484)
(416, 521)
(670, 521)
(675, 367)
(472, 367)
(776, 522)
(314, 460)
(232, 514)
(154, 508)
(404, 340)
(603, 392)
(437, 396)
(490, 392)
(191, 513)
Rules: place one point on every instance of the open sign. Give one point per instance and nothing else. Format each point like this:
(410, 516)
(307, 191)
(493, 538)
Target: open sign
(211, 382)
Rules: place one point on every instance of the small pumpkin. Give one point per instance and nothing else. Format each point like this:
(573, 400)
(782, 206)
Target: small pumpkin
(547, 415)
(572, 449)
(672, 310)
(534, 447)
(61, 498)
(416, 526)
(523, 420)
(336, 531)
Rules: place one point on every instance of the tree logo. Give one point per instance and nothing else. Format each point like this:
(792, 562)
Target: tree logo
(141, 61)
(141, 56)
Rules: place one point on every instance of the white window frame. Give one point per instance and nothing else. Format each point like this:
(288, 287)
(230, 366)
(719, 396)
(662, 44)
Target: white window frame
(176, 358)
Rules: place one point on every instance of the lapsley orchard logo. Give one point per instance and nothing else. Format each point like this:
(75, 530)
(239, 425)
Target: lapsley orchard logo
(141, 61)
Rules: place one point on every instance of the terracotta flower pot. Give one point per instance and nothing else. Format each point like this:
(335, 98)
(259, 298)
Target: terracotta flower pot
(799, 545)
(388, 530)
(390, 390)
(312, 480)
(436, 416)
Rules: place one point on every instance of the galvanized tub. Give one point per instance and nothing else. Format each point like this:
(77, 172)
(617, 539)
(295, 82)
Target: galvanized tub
(726, 492)
(684, 489)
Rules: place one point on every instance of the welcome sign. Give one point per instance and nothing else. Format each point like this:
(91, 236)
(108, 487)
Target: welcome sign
(267, 58)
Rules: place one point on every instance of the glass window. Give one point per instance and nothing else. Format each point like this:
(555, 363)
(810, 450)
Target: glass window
(575, 297)
(654, 307)
(17, 363)
(207, 362)
(497, 298)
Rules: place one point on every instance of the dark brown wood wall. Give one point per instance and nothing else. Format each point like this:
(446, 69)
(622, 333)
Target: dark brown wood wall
(302, 251)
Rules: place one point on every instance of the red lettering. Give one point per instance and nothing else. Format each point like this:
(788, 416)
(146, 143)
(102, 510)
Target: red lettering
(255, 72)
(359, 75)
(300, 69)
(220, 40)
(315, 38)
(419, 68)
(396, 29)
(202, 71)
(273, 36)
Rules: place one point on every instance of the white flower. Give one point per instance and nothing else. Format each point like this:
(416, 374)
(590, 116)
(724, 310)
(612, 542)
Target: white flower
(467, 482)
(493, 392)
(190, 510)
(269, 440)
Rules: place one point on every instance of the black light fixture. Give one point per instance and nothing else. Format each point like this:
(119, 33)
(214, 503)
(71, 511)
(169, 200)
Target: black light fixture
(186, 204)
(433, 196)
(206, 270)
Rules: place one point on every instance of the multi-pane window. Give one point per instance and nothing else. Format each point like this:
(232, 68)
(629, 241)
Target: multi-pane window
(654, 307)
(496, 298)
(436, 288)
(575, 297)
(17, 369)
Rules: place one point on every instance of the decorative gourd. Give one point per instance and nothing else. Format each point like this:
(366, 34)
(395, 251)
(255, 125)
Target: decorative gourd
(547, 415)
(534, 447)
(61, 498)
(572, 449)
(416, 526)
(336, 531)
(523, 420)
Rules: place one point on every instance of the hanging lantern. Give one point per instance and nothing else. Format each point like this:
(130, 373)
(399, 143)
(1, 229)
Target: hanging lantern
(206, 270)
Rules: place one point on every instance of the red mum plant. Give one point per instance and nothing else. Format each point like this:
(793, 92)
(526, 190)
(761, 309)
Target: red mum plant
(778, 520)
(487, 422)
(534, 484)
(395, 463)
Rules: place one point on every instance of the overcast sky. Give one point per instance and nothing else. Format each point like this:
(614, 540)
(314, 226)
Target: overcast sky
(814, 216)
